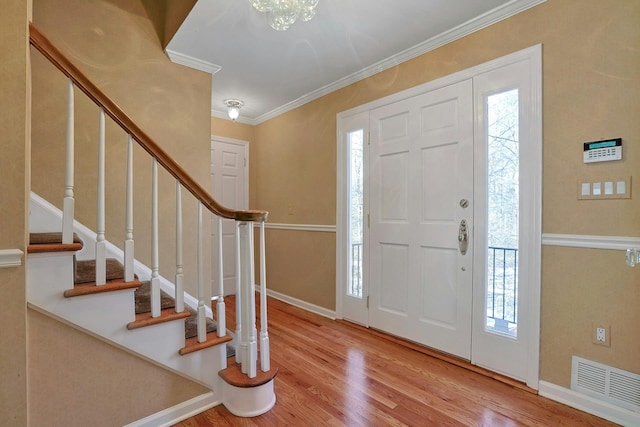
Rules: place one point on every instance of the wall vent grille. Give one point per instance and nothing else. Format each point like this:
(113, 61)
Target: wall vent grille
(621, 388)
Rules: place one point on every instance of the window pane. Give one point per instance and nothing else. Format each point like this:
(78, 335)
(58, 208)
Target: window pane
(503, 210)
(355, 213)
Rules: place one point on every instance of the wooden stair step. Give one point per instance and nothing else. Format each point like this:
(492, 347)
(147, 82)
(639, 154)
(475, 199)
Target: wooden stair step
(233, 375)
(52, 242)
(192, 344)
(166, 315)
(90, 288)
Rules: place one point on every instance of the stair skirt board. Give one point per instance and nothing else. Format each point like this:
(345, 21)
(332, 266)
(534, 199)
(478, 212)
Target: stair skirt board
(44, 217)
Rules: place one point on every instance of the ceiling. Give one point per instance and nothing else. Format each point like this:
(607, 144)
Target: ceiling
(273, 72)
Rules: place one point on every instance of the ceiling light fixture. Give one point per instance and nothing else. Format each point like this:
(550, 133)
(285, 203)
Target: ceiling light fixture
(233, 108)
(281, 14)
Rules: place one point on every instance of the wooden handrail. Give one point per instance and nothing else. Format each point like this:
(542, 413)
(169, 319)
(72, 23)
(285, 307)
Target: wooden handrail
(57, 58)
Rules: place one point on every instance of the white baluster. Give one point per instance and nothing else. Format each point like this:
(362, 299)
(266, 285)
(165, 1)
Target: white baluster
(265, 363)
(238, 335)
(179, 295)
(202, 320)
(249, 343)
(128, 240)
(69, 202)
(155, 279)
(101, 261)
(220, 306)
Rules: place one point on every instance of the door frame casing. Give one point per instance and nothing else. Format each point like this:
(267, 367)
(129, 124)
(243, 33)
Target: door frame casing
(534, 56)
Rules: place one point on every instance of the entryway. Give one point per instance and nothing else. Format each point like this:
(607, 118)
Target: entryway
(439, 215)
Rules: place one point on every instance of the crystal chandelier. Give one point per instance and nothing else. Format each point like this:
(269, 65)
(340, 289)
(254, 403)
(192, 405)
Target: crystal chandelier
(281, 14)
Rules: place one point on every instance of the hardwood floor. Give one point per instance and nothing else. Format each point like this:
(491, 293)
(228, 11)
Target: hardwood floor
(335, 374)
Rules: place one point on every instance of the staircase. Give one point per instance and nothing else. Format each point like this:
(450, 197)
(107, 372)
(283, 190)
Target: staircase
(119, 312)
(77, 277)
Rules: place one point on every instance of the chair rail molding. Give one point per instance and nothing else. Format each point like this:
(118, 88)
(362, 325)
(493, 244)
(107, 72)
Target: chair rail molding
(301, 227)
(616, 243)
(10, 258)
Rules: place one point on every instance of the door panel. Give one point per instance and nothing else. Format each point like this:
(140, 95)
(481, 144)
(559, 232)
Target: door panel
(230, 187)
(421, 166)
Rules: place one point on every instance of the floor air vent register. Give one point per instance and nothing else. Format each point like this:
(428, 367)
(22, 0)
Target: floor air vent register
(618, 387)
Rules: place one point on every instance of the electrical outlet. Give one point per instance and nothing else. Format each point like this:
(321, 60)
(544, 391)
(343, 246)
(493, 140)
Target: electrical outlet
(601, 334)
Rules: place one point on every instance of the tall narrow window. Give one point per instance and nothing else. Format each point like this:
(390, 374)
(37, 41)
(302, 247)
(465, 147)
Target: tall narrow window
(356, 177)
(503, 208)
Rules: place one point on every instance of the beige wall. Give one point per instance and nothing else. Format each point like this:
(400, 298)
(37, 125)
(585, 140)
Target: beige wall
(14, 164)
(106, 387)
(591, 64)
(115, 44)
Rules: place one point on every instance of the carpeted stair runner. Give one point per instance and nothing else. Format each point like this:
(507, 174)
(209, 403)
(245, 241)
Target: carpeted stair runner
(85, 273)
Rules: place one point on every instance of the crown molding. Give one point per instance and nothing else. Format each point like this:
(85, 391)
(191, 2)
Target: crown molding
(496, 15)
(191, 62)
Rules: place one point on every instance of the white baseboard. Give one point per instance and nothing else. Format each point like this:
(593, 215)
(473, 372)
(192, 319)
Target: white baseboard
(589, 404)
(179, 412)
(300, 303)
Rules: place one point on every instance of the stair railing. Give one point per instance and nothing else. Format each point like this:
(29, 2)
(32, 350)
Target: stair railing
(246, 338)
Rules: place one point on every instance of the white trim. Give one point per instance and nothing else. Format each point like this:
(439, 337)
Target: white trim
(191, 62)
(325, 312)
(301, 227)
(589, 404)
(496, 15)
(10, 258)
(616, 243)
(180, 412)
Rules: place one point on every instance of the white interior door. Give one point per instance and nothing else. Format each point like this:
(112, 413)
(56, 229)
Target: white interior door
(421, 196)
(230, 184)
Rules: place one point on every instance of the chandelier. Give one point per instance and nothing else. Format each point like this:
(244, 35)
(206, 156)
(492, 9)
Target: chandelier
(281, 14)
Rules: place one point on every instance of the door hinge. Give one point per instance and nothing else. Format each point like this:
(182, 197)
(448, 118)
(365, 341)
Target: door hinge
(368, 138)
(368, 220)
(367, 301)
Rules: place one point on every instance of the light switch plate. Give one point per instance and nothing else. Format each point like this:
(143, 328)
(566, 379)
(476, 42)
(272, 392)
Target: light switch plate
(608, 187)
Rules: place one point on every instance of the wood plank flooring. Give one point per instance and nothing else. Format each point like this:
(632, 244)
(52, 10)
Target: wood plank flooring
(335, 374)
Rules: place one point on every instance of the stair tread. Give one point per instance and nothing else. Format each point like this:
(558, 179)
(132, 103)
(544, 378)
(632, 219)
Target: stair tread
(90, 288)
(233, 375)
(52, 242)
(191, 344)
(166, 315)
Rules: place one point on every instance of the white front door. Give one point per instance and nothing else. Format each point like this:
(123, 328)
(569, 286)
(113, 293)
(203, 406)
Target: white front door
(230, 184)
(421, 209)
(439, 155)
